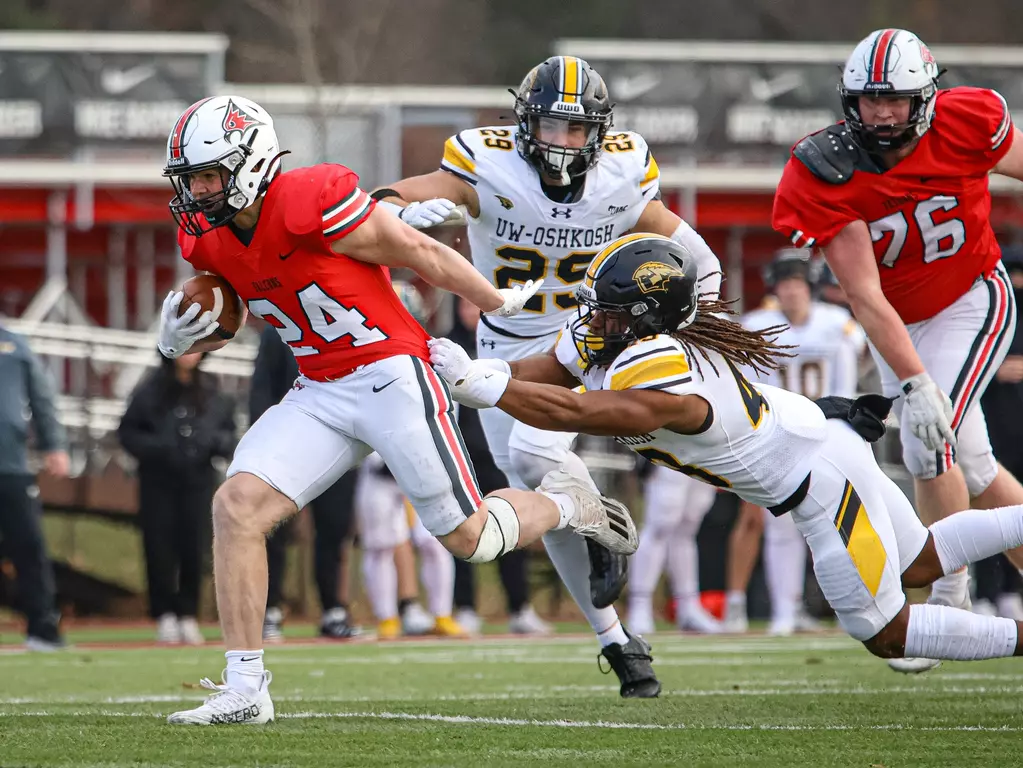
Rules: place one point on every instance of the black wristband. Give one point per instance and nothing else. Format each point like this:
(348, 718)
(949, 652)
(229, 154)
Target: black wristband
(380, 194)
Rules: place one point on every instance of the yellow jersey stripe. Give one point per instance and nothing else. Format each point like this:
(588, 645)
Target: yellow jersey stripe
(652, 172)
(650, 369)
(867, 552)
(454, 156)
(844, 505)
(593, 271)
(571, 90)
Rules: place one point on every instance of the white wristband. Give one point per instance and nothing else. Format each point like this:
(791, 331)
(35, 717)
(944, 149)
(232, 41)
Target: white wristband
(494, 364)
(487, 387)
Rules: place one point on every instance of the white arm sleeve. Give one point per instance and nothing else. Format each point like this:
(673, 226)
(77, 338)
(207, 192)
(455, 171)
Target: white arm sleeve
(706, 262)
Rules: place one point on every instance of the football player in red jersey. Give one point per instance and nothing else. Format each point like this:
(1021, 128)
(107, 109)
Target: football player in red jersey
(897, 196)
(308, 250)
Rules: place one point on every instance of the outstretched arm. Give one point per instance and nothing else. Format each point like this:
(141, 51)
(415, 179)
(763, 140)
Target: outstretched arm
(430, 186)
(384, 239)
(543, 369)
(625, 413)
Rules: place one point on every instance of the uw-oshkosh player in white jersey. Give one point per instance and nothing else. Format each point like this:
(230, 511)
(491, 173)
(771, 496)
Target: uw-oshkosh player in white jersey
(663, 375)
(543, 196)
(824, 343)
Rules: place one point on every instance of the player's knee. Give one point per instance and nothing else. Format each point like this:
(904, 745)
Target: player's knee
(890, 642)
(530, 467)
(246, 506)
(751, 520)
(979, 471)
(491, 532)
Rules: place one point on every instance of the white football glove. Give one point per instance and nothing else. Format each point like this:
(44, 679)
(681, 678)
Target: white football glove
(515, 298)
(178, 334)
(429, 213)
(455, 366)
(928, 412)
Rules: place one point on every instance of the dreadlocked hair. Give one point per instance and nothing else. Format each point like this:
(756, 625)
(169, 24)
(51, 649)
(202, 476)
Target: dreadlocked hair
(714, 331)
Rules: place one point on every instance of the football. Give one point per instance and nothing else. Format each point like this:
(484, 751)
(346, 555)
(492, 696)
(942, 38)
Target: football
(212, 292)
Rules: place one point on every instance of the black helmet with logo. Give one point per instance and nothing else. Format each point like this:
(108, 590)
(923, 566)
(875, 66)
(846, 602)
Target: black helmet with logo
(643, 285)
(561, 93)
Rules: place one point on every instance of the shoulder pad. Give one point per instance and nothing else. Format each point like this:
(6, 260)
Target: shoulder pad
(654, 362)
(832, 156)
(306, 192)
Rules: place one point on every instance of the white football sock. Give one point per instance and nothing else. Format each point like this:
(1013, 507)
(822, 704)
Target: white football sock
(785, 566)
(684, 557)
(244, 670)
(615, 634)
(567, 551)
(646, 565)
(437, 568)
(941, 632)
(380, 580)
(973, 534)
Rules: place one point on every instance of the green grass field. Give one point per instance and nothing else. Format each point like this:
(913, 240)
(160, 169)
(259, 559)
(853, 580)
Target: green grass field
(820, 701)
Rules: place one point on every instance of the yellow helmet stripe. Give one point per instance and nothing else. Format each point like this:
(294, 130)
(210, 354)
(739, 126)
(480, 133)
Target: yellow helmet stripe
(598, 261)
(570, 78)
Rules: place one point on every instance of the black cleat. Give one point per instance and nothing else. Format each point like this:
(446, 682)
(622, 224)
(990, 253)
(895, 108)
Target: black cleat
(337, 626)
(609, 573)
(633, 664)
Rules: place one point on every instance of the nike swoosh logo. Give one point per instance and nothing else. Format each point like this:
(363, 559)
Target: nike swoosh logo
(381, 389)
(286, 255)
(118, 81)
(254, 658)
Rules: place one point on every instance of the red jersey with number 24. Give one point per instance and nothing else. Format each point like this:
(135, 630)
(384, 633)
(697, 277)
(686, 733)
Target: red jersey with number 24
(928, 215)
(336, 313)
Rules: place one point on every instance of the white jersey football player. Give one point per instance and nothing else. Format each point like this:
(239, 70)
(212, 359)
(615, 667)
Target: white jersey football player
(674, 506)
(663, 374)
(824, 344)
(543, 197)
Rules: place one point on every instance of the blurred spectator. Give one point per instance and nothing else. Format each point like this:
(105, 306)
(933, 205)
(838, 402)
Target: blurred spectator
(176, 422)
(512, 566)
(998, 583)
(27, 395)
(274, 374)
(386, 523)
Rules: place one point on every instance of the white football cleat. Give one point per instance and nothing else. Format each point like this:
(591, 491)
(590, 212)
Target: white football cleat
(736, 622)
(168, 630)
(415, 620)
(696, 618)
(596, 517)
(228, 706)
(191, 634)
(526, 622)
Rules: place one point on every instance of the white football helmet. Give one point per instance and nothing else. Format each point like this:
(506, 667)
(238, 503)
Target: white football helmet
(890, 62)
(231, 133)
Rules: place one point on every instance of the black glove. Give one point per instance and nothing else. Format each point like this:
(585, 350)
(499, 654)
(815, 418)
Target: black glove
(866, 414)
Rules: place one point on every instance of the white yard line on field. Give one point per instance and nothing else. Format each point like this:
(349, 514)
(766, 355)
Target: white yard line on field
(602, 724)
(551, 692)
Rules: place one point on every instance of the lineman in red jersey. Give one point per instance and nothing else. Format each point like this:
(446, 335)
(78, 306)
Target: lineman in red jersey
(897, 196)
(315, 268)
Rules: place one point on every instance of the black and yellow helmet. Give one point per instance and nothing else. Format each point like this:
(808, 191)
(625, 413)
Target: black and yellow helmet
(568, 90)
(643, 285)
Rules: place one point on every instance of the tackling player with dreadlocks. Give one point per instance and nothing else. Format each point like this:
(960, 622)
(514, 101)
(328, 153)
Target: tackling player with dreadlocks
(662, 372)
